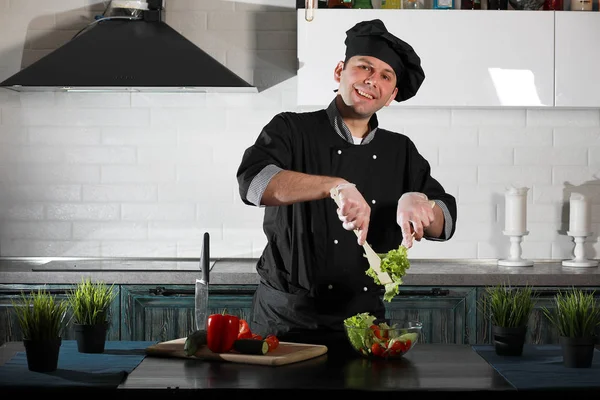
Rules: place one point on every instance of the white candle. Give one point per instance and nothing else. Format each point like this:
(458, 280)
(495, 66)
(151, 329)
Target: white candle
(516, 210)
(579, 215)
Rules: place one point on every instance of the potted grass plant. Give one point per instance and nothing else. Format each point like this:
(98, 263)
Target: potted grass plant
(90, 303)
(576, 315)
(508, 309)
(41, 319)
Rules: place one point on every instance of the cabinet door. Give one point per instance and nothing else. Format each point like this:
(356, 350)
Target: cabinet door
(539, 329)
(447, 313)
(163, 313)
(577, 59)
(9, 326)
(470, 58)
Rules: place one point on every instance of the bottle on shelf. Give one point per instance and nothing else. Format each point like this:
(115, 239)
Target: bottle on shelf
(413, 4)
(581, 5)
(498, 4)
(553, 5)
(470, 5)
(443, 4)
(391, 4)
(339, 3)
(362, 4)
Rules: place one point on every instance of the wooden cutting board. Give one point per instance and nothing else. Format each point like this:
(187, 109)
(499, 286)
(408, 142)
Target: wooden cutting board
(285, 353)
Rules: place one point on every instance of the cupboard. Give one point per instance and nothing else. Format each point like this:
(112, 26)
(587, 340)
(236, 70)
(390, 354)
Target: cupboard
(471, 58)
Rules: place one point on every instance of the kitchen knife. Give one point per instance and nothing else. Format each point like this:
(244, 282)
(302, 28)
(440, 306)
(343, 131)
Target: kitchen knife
(201, 295)
(372, 257)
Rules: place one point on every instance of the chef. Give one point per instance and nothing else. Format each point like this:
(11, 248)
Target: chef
(312, 270)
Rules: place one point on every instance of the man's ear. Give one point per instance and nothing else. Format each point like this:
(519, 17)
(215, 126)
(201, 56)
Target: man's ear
(337, 72)
(392, 97)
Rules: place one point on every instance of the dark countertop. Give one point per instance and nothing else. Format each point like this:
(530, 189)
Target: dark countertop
(183, 271)
(439, 367)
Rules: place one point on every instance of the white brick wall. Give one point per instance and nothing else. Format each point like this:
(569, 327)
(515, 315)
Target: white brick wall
(148, 174)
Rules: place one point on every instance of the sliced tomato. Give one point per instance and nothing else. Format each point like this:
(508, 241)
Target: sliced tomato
(397, 348)
(377, 350)
(244, 331)
(256, 336)
(272, 341)
(379, 334)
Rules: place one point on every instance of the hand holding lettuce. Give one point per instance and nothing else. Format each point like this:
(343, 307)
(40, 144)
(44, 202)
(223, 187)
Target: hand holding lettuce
(395, 263)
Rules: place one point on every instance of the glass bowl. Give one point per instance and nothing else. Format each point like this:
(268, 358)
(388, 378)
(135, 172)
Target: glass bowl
(381, 341)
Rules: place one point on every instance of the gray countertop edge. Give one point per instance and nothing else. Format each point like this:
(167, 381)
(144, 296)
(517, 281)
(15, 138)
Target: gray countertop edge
(178, 271)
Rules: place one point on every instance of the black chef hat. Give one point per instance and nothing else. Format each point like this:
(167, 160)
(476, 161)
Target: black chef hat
(371, 38)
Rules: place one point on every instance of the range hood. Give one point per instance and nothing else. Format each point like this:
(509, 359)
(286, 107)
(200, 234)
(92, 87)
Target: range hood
(120, 54)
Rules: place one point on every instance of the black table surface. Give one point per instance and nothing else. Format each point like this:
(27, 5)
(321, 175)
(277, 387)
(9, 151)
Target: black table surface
(426, 367)
(437, 367)
(444, 368)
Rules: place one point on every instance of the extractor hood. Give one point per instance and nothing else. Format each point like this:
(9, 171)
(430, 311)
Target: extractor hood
(117, 54)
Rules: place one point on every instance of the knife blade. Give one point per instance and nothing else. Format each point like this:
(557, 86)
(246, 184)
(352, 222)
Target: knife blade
(372, 256)
(201, 293)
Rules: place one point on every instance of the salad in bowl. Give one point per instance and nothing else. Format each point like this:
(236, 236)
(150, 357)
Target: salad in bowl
(378, 340)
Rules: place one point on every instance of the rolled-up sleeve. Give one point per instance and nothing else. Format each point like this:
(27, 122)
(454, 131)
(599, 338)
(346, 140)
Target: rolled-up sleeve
(270, 154)
(448, 222)
(259, 184)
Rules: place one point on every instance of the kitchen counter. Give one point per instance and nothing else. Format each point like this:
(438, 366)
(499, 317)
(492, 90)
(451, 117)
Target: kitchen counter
(438, 367)
(182, 271)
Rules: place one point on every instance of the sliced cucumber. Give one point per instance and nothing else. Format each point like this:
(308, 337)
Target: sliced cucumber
(411, 335)
(251, 346)
(194, 342)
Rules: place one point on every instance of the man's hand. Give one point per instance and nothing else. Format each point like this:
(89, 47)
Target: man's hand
(414, 214)
(354, 211)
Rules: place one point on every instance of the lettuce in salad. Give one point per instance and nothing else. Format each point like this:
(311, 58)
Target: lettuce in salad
(395, 263)
(364, 337)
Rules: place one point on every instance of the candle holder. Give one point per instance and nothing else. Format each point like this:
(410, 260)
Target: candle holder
(579, 252)
(515, 259)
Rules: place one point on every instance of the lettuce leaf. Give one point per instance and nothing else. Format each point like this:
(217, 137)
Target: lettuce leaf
(395, 263)
(359, 338)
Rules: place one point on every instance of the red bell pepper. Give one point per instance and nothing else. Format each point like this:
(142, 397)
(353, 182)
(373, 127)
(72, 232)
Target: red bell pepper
(221, 331)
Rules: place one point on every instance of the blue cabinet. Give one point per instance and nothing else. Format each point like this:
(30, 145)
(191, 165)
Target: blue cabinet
(448, 314)
(166, 312)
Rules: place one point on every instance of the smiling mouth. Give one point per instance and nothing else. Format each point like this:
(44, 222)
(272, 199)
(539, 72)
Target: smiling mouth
(364, 94)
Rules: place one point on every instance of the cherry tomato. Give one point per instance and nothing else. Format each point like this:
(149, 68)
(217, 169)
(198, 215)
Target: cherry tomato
(377, 350)
(379, 334)
(244, 330)
(397, 348)
(272, 341)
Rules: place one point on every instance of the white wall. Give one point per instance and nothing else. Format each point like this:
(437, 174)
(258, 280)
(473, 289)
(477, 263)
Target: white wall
(144, 175)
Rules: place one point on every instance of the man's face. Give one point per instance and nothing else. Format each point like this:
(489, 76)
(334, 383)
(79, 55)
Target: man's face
(367, 84)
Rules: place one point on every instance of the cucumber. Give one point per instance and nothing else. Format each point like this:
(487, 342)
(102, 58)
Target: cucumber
(411, 335)
(251, 346)
(194, 342)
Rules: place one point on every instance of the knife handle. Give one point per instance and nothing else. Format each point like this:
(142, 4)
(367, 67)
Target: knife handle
(205, 258)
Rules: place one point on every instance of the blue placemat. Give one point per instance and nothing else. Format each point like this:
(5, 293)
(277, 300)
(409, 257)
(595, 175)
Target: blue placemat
(106, 370)
(541, 367)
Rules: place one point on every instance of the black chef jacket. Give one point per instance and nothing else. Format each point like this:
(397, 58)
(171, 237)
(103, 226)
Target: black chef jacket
(312, 271)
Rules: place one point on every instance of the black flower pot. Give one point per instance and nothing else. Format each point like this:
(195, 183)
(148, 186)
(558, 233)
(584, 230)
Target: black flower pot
(577, 352)
(509, 341)
(42, 355)
(91, 338)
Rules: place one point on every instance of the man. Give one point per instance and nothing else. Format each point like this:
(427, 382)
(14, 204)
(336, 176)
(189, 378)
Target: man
(312, 271)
